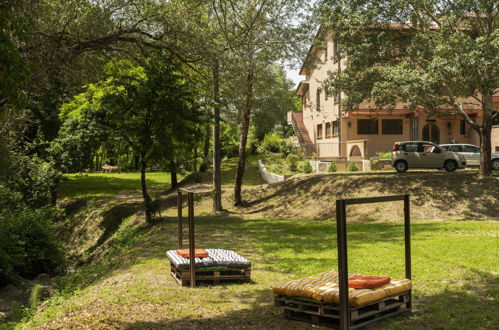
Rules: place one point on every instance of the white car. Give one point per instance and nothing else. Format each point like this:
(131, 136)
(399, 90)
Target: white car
(422, 154)
(471, 153)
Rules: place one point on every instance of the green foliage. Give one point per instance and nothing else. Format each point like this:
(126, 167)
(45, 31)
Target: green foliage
(28, 246)
(292, 162)
(384, 155)
(272, 104)
(35, 297)
(272, 143)
(352, 167)
(13, 69)
(229, 140)
(17, 311)
(332, 168)
(306, 167)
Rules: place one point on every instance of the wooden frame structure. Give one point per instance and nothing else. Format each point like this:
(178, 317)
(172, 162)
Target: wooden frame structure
(343, 316)
(190, 275)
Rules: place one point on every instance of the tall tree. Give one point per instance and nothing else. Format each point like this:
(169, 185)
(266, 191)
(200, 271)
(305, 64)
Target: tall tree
(258, 33)
(442, 56)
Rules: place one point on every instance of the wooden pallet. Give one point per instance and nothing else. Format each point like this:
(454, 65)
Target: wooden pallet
(329, 314)
(214, 276)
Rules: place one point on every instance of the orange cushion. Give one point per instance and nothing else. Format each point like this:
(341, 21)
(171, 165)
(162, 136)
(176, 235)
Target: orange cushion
(367, 282)
(199, 253)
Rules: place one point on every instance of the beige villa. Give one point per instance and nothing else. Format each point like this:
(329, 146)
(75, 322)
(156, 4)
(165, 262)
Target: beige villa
(325, 129)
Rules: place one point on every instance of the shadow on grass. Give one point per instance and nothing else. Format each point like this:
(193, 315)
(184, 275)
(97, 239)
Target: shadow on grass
(254, 312)
(469, 306)
(466, 303)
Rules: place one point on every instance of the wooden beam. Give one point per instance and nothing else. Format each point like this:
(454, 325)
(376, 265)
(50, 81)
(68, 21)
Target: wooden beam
(192, 244)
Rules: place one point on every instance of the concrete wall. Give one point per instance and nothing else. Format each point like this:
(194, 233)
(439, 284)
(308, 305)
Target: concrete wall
(268, 176)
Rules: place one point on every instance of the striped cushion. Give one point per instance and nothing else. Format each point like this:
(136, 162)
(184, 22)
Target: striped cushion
(216, 258)
(325, 287)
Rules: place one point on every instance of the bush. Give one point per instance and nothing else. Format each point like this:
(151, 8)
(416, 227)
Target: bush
(352, 167)
(332, 168)
(384, 155)
(307, 168)
(28, 246)
(273, 143)
(292, 162)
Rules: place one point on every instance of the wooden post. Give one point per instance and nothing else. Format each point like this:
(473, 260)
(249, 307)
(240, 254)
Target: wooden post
(192, 247)
(179, 217)
(342, 263)
(407, 238)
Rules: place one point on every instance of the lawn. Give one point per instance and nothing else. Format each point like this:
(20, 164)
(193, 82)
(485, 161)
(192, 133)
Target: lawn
(455, 275)
(123, 280)
(107, 184)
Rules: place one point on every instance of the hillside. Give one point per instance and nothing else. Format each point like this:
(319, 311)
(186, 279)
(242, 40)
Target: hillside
(435, 196)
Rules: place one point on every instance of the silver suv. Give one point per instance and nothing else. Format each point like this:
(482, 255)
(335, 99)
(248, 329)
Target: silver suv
(422, 154)
(471, 153)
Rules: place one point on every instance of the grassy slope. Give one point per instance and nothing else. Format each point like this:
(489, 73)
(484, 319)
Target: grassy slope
(127, 283)
(455, 287)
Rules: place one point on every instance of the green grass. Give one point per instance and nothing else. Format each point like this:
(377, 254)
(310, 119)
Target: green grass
(107, 184)
(455, 265)
(251, 177)
(127, 285)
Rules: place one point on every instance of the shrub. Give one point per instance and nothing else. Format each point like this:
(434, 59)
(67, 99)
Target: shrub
(273, 143)
(384, 155)
(307, 168)
(286, 148)
(352, 167)
(332, 168)
(28, 246)
(292, 162)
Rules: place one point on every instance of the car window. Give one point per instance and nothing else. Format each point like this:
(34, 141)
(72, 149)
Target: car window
(411, 147)
(428, 148)
(455, 148)
(471, 149)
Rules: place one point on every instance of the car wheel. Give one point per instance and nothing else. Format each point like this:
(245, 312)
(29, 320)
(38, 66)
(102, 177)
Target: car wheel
(495, 164)
(401, 166)
(450, 165)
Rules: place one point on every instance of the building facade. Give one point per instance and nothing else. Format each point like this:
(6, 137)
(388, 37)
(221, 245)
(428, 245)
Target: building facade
(329, 132)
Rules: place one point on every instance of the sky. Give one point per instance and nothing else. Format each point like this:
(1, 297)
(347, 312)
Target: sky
(293, 75)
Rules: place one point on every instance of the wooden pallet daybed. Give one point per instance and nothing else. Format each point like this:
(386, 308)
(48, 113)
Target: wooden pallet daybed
(325, 299)
(220, 265)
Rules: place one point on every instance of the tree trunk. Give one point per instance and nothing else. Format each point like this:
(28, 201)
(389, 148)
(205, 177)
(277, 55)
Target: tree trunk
(136, 161)
(195, 160)
(238, 201)
(173, 174)
(485, 138)
(206, 149)
(147, 199)
(217, 159)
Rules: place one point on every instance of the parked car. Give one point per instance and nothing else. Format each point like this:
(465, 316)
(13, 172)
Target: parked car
(471, 153)
(422, 154)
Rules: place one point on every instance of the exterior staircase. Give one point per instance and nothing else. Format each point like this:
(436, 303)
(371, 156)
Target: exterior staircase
(302, 133)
